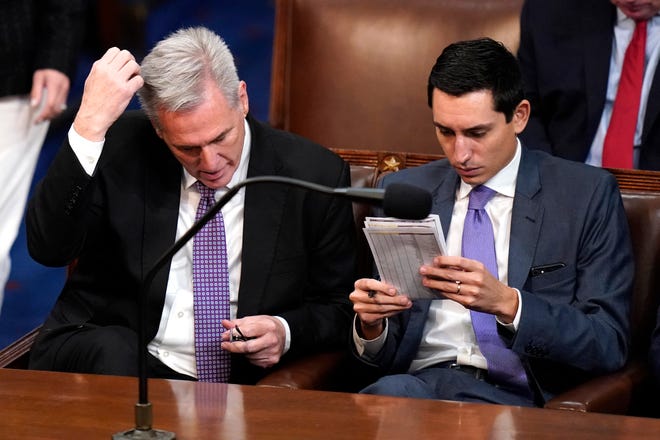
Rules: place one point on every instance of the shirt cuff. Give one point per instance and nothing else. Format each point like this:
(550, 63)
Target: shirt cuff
(513, 327)
(368, 347)
(88, 152)
(287, 338)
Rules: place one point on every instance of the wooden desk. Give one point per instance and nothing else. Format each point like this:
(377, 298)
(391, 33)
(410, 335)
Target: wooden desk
(45, 405)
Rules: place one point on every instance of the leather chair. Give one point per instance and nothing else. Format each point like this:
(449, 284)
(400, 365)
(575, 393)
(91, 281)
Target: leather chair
(353, 73)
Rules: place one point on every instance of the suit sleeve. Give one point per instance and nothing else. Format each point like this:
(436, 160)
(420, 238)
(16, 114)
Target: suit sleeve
(323, 319)
(580, 318)
(58, 217)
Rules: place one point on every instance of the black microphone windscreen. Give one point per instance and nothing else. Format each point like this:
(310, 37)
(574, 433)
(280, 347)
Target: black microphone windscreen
(406, 201)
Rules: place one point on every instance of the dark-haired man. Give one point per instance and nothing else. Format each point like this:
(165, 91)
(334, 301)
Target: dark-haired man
(532, 297)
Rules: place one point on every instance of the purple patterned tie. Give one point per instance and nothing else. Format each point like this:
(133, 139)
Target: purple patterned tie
(210, 292)
(504, 366)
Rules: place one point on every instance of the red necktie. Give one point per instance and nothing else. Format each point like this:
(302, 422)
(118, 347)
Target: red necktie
(618, 145)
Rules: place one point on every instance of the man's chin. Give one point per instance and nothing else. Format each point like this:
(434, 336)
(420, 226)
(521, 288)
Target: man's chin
(217, 183)
(472, 176)
(638, 14)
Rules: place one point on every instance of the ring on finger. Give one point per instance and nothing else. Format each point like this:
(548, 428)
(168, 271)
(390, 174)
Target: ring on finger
(458, 287)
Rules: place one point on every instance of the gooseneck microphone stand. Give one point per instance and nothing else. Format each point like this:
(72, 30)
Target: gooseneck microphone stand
(143, 408)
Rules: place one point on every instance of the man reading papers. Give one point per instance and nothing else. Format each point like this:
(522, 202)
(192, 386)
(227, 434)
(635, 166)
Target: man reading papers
(532, 296)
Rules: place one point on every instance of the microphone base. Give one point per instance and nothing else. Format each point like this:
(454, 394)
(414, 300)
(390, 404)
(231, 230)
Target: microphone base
(143, 423)
(139, 434)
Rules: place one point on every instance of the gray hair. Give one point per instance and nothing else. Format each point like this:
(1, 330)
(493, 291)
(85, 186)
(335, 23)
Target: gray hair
(175, 70)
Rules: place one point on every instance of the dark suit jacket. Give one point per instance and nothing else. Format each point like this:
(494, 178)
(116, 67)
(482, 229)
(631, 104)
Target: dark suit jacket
(574, 321)
(38, 34)
(565, 50)
(298, 253)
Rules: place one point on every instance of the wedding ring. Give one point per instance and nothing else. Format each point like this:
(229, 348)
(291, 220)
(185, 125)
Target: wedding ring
(458, 287)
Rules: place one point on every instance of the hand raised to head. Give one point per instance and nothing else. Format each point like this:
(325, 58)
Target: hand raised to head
(109, 88)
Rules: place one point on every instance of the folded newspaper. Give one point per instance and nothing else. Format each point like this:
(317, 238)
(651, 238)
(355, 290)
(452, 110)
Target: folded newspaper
(401, 247)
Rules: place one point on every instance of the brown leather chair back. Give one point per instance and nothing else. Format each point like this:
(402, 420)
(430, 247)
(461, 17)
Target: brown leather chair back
(353, 73)
(643, 212)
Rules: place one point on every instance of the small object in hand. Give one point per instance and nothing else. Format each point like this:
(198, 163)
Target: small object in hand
(371, 293)
(239, 337)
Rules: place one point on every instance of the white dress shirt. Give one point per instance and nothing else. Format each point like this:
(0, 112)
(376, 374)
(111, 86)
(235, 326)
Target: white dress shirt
(174, 343)
(448, 334)
(623, 32)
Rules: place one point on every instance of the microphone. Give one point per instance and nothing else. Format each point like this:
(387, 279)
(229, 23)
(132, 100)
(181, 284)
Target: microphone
(398, 200)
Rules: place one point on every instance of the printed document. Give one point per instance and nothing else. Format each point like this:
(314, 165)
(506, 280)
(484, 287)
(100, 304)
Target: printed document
(401, 247)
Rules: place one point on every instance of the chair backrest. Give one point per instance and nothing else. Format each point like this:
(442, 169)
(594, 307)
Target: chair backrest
(640, 191)
(353, 73)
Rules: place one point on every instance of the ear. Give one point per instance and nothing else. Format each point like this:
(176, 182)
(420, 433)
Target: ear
(243, 97)
(521, 116)
(156, 127)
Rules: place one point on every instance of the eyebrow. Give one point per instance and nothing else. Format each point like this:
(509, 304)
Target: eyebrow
(221, 135)
(486, 126)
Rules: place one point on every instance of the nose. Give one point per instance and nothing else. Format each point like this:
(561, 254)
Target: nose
(207, 157)
(462, 149)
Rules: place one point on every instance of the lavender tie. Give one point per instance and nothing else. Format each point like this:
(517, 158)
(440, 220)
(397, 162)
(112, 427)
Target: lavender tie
(504, 366)
(210, 292)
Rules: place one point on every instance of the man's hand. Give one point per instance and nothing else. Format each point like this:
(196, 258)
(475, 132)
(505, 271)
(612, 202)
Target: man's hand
(109, 88)
(265, 339)
(373, 301)
(469, 283)
(55, 85)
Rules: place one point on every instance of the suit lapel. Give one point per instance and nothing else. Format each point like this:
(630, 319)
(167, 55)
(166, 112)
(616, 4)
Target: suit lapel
(264, 208)
(526, 219)
(442, 186)
(413, 320)
(162, 188)
(444, 197)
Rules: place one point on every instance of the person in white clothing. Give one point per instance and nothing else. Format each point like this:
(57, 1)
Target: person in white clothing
(39, 44)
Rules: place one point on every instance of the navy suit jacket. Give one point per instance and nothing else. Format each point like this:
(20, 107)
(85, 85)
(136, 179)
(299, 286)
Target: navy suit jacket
(565, 51)
(298, 256)
(574, 321)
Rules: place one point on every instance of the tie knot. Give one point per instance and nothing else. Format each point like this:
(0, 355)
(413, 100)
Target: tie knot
(205, 191)
(479, 196)
(640, 29)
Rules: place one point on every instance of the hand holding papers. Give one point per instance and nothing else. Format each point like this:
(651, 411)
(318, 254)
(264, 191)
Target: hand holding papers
(401, 247)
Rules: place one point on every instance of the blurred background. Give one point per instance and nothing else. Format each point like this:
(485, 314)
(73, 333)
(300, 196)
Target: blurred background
(136, 25)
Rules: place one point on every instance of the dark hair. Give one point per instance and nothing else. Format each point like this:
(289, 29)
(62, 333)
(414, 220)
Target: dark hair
(483, 64)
